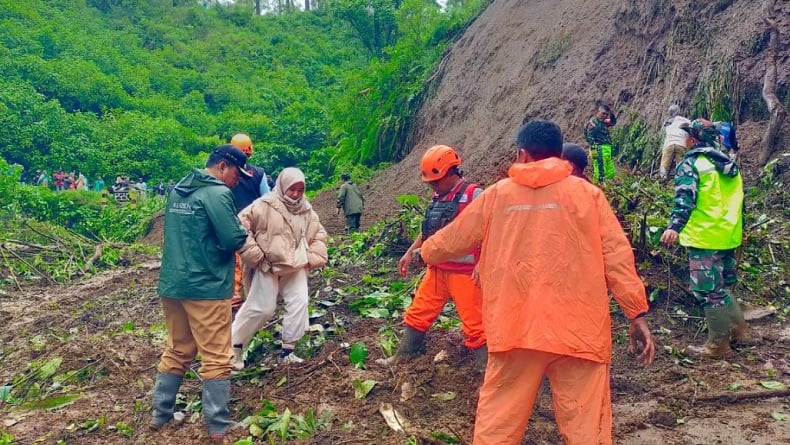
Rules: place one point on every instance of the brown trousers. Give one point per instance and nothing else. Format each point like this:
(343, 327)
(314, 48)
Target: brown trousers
(197, 326)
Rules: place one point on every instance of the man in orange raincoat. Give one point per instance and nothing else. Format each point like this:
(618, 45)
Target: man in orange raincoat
(551, 246)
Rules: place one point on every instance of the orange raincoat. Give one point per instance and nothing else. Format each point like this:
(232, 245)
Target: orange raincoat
(551, 246)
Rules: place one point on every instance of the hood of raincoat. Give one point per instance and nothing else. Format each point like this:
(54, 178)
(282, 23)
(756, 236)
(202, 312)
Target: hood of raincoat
(540, 173)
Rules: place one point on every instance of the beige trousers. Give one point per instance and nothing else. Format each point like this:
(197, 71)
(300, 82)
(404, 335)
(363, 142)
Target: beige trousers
(197, 326)
(673, 153)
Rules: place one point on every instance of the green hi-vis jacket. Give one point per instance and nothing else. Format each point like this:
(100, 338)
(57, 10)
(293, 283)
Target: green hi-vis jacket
(202, 234)
(710, 187)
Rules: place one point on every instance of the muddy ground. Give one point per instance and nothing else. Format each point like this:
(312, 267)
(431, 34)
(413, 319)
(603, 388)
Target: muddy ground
(108, 328)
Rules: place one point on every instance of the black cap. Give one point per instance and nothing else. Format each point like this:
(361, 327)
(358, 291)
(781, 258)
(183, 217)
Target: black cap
(345, 177)
(235, 156)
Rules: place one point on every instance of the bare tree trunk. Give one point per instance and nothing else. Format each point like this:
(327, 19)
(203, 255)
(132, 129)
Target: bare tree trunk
(306, 5)
(775, 107)
(257, 7)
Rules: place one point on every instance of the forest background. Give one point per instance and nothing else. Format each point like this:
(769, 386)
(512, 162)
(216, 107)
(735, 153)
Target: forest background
(148, 88)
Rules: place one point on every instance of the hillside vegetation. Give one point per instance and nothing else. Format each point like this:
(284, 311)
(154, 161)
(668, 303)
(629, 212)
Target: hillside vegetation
(146, 88)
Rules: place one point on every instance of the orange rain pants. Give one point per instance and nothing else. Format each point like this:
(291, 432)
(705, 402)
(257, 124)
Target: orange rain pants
(435, 288)
(579, 389)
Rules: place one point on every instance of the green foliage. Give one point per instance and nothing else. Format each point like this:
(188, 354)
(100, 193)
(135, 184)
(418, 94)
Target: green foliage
(272, 426)
(716, 95)
(376, 114)
(147, 88)
(636, 145)
(6, 438)
(357, 354)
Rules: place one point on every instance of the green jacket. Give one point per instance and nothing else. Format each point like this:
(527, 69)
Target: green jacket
(202, 233)
(708, 211)
(350, 199)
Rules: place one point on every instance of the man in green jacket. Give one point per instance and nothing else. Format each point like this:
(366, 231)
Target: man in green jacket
(202, 233)
(707, 218)
(350, 199)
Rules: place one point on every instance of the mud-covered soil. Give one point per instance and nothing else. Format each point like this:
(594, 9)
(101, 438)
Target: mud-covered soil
(109, 329)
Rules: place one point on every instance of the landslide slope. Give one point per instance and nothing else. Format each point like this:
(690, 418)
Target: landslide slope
(528, 59)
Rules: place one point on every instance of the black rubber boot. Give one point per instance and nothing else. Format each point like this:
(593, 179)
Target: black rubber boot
(411, 345)
(481, 357)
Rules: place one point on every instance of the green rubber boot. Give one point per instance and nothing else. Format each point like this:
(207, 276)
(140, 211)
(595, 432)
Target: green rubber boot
(216, 394)
(718, 344)
(164, 399)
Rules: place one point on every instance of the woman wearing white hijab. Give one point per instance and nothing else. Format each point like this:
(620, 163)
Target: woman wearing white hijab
(285, 240)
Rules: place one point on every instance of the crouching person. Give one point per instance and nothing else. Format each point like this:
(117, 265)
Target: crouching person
(202, 233)
(285, 240)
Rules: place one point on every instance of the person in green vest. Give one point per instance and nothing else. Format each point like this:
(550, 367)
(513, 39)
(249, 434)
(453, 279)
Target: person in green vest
(596, 133)
(707, 218)
(351, 201)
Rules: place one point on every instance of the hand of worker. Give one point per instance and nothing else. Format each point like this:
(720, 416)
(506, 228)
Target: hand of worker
(669, 237)
(337, 211)
(403, 263)
(641, 342)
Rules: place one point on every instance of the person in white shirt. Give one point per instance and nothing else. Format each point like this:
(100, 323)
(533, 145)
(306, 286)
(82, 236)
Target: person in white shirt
(674, 140)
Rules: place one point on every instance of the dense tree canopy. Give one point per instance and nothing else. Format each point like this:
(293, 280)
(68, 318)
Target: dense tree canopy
(148, 87)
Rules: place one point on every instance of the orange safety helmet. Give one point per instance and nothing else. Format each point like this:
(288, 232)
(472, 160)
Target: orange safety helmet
(437, 161)
(243, 142)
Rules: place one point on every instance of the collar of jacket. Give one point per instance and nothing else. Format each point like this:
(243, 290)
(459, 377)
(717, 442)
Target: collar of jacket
(540, 173)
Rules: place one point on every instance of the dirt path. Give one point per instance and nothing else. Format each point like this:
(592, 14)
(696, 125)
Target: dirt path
(108, 333)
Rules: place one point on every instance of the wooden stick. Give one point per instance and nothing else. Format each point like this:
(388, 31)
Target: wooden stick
(733, 397)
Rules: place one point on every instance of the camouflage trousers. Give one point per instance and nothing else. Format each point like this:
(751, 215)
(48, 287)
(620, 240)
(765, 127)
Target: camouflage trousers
(713, 273)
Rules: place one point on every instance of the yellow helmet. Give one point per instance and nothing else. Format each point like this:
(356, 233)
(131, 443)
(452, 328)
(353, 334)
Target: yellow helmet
(243, 142)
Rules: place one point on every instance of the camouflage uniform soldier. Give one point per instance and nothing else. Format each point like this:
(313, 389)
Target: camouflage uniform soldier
(596, 132)
(707, 219)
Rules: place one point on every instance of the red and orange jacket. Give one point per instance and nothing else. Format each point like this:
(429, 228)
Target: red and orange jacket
(551, 246)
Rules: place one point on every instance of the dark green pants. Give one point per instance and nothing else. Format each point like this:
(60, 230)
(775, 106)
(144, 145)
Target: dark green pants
(712, 273)
(352, 222)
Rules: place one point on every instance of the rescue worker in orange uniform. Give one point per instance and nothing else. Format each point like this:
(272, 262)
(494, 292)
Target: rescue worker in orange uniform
(451, 278)
(551, 246)
(245, 192)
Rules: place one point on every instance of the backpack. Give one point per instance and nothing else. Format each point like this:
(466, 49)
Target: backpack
(727, 132)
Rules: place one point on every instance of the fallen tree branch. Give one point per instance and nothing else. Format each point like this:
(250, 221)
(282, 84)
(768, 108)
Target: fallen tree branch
(733, 397)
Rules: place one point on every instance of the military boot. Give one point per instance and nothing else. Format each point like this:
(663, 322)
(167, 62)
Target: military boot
(718, 344)
(741, 332)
